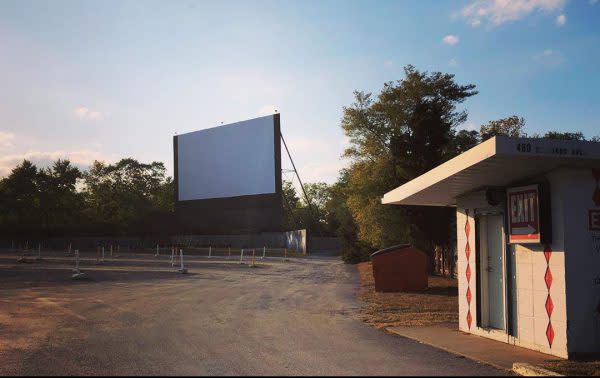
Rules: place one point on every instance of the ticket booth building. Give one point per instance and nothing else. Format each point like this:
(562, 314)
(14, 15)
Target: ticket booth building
(528, 240)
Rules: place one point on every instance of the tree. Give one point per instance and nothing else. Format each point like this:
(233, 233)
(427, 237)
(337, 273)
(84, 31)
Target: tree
(20, 200)
(407, 130)
(578, 135)
(465, 140)
(511, 126)
(121, 196)
(60, 203)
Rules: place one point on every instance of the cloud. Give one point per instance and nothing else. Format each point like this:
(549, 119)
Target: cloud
(592, 2)
(500, 11)
(451, 39)
(561, 20)
(6, 139)
(549, 58)
(81, 158)
(84, 113)
(453, 62)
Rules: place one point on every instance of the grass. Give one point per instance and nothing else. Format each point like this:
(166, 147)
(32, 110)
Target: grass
(438, 304)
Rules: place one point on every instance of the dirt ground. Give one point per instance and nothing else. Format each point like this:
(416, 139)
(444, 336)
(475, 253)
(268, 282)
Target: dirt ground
(578, 368)
(438, 304)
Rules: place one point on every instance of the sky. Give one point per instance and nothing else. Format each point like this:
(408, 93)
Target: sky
(104, 80)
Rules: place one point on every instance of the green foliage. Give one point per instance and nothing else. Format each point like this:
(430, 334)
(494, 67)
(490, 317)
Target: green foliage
(578, 135)
(511, 126)
(61, 200)
(407, 130)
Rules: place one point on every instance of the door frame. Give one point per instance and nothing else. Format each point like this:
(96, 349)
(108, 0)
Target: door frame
(482, 279)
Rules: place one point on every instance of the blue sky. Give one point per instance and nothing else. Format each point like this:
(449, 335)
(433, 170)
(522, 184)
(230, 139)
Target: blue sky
(110, 79)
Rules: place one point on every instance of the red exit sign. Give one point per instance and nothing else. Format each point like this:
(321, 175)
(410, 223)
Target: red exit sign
(524, 214)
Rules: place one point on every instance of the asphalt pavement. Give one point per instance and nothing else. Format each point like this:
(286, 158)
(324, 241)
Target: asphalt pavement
(223, 318)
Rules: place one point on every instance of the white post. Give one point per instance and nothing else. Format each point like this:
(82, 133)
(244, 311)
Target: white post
(264, 252)
(172, 256)
(77, 275)
(26, 244)
(181, 269)
(229, 255)
(102, 254)
(157, 250)
(209, 251)
(242, 256)
(69, 249)
(111, 250)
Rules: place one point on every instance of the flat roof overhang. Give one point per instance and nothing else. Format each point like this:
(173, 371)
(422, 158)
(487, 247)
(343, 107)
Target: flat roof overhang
(499, 161)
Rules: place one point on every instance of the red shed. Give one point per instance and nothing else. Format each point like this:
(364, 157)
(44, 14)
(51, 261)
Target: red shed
(400, 268)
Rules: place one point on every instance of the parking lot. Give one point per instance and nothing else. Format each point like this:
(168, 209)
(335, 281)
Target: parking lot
(137, 315)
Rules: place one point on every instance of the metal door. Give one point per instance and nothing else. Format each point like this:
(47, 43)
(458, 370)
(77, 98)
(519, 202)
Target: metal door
(495, 270)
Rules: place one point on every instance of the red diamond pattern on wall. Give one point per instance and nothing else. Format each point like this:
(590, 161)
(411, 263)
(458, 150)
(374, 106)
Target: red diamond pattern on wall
(550, 333)
(468, 271)
(549, 305)
(548, 277)
(467, 227)
(547, 253)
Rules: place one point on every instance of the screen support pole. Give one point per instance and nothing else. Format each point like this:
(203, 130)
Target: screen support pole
(308, 201)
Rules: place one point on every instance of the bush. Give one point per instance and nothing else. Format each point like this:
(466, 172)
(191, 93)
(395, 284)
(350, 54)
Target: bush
(354, 252)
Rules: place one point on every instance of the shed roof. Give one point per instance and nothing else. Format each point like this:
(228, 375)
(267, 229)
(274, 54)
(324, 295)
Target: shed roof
(499, 161)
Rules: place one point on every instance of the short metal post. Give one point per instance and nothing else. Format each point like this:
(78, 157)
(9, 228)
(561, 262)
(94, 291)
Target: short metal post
(172, 256)
(69, 249)
(181, 269)
(102, 254)
(242, 256)
(229, 255)
(253, 250)
(209, 251)
(285, 254)
(77, 274)
(156, 250)
(111, 250)
(264, 252)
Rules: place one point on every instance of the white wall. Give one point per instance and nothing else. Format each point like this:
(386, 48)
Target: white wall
(574, 189)
(227, 161)
(531, 290)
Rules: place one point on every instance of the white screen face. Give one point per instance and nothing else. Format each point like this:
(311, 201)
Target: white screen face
(227, 161)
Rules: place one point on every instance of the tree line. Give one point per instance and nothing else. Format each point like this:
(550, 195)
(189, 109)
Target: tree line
(123, 198)
(409, 127)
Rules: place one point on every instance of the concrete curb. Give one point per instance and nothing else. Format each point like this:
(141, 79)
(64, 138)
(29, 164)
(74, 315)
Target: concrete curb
(470, 357)
(528, 370)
